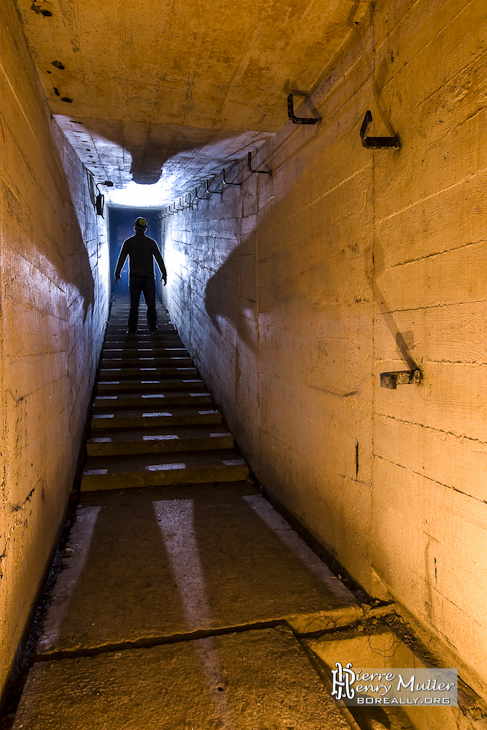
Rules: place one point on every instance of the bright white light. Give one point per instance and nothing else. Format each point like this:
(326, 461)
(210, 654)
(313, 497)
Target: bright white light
(139, 196)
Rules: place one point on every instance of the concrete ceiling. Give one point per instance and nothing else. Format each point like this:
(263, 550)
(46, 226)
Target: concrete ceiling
(171, 91)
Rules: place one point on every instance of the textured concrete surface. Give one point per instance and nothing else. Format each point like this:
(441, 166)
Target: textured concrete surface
(163, 562)
(255, 679)
(54, 301)
(297, 290)
(186, 86)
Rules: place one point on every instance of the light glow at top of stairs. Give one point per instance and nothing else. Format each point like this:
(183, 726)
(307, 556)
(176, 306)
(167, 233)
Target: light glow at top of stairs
(134, 195)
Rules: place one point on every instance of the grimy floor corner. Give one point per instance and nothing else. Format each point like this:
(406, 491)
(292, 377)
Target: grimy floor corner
(314, 175)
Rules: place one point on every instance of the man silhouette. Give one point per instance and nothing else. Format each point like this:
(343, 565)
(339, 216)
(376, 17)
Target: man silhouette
(141, 251)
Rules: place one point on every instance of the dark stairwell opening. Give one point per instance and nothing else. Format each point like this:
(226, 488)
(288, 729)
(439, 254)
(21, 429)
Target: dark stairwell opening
(121, 226)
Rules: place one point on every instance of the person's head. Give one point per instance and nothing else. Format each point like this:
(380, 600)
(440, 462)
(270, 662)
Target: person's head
(140, 225)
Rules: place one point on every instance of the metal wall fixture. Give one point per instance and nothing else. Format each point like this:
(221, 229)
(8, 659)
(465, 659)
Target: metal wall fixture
(249, 166)
(299, 120)
(400, 377)
(198, 197)
(377, 143)
(100, 198)
(183, 203)
(213, 192)
(226, 182)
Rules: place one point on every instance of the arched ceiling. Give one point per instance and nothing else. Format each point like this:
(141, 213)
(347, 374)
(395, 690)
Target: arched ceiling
(166, 90)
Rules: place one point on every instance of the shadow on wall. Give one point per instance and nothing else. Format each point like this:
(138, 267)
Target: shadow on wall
(239, 309)
(300, 269)
(67, 250)
(81, 230)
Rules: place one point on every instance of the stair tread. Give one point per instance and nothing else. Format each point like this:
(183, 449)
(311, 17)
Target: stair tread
(181, 432)
(141, 462)
(154, 385)
(143, 400)
(169, 411)
(146, 369)
(156, 361)
(150, 419)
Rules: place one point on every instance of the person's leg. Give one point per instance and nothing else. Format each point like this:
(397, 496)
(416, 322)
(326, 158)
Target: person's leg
(135, 289)
(149, 290)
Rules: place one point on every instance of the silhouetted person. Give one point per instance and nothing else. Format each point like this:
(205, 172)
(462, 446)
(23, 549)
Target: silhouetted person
(141, 251)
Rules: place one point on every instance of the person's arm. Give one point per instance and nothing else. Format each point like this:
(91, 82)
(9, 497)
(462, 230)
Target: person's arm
(160, 262)
(121, 260)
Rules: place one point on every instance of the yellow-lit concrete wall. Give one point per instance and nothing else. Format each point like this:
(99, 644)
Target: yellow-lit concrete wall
(296, 291)
(54, 284)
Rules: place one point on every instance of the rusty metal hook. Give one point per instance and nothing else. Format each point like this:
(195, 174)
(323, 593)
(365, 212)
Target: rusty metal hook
(249, 166)
(377, 143)
(298, 120)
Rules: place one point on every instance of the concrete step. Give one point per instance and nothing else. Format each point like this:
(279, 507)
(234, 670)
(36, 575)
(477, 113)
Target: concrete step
(142, 337)
(159, 361)
(161, 440)
(151, 419)
(148, 471)
(139, 385)
(146, 373)
(130, 351)
(150, 400)
(114, 329)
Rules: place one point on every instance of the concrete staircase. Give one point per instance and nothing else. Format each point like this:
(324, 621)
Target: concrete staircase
(154, 423)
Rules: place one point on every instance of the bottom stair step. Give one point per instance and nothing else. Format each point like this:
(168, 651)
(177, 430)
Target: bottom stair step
(149, 471)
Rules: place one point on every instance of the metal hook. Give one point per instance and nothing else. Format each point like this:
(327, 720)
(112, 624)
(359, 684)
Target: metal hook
(377, 143)
(228, 183)
(298, 120)
(249, 166)
(198, 197)
(212, 192)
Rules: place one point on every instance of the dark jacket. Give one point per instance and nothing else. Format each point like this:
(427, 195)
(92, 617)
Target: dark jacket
(141, 251)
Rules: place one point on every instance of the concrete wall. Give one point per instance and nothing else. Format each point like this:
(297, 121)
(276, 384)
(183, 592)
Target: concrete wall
(296, 291)
(54, 283)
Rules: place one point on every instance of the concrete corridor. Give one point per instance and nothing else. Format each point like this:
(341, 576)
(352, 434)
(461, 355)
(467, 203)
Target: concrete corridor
(186, 600)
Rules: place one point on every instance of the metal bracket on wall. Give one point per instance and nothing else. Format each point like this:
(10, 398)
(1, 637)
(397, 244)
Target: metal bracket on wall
(198, 197)
(100, 198)
(192, 201)
(400, 377)
(185, 203)
(298, 120)
(377, 143)
(225, 181)
(213, 192)
(249, 166)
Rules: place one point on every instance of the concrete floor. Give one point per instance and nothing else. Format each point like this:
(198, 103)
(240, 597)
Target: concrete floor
(183, 607)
